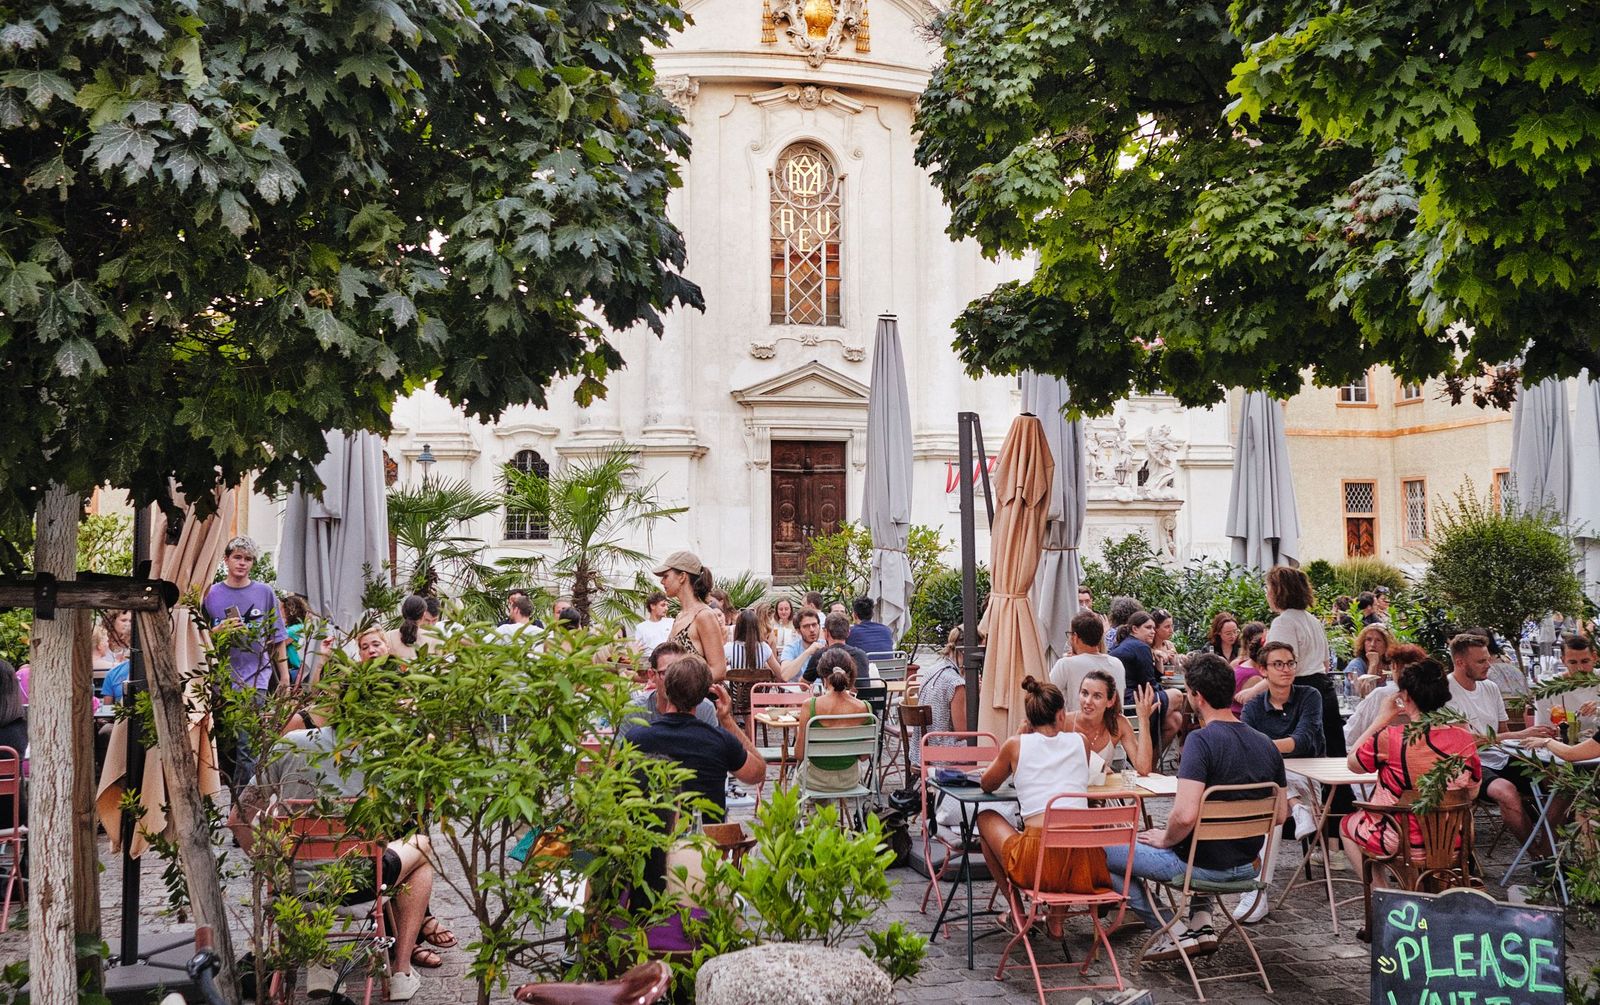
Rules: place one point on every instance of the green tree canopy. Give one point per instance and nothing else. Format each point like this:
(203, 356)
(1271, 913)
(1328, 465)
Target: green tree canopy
(227, 227)
(1231, 196)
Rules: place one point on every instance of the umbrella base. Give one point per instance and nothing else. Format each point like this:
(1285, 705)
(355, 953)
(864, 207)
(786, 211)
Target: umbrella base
(159, 969)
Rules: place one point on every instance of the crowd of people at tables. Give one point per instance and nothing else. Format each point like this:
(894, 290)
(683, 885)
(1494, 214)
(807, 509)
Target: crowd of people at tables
(1254, 695)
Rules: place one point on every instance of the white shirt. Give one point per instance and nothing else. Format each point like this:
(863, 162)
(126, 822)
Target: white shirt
(1048, 765)
(1304, 631)
(1485, 711)
(1366, 713)
(1069, 672)
(1570, 700)
(649, 634)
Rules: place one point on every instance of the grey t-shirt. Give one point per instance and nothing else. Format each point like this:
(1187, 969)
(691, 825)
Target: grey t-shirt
(645, 704)
(1069, 672)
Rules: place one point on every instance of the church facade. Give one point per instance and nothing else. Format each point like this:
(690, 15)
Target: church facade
(806, 218)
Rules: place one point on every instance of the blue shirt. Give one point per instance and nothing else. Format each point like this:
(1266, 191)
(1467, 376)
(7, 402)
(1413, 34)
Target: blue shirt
(871, 637)
(1299, 719)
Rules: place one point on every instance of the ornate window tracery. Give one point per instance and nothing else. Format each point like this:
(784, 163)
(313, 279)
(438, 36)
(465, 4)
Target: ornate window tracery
(807, 197)
(524, 526)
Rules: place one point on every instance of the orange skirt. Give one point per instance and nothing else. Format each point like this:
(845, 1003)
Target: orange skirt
(1066, 870)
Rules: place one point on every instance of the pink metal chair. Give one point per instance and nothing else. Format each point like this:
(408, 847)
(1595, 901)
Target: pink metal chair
(15, 836)
(963, 757)
(1067, 827)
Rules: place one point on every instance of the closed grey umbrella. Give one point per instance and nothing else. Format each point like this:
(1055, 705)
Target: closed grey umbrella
(1055, 585)
(1263, 520)
(1541, 447)
(886, 506)
(1583, 498)
(330, 545)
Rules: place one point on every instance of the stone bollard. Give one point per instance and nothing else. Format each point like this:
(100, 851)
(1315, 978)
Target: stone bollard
(787, 973)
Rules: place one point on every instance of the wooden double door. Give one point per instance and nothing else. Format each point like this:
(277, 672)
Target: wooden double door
(807, 500)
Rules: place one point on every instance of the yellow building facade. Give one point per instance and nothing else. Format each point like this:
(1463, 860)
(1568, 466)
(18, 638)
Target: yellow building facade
(1374, 461)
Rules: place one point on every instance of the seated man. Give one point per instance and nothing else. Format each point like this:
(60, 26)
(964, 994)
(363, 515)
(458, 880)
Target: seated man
(806, 643)
(663, 655)
(868, 635)
(305, 771)
(1577, 655)
(1290, 715)
(835, 632)
(1223, 751)
(711, 752)
(1478, 699)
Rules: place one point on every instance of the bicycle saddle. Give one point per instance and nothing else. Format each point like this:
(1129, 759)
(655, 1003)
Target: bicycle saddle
(644, 984)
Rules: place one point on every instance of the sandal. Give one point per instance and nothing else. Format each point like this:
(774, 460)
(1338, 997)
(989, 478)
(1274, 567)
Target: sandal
(438, 935)
(426, 958)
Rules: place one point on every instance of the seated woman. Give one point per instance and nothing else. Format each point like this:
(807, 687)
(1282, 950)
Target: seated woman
(1423, 688)
(944, 691)
(1133, 649)
(1247, 679)
(1099, 720)
(837, 669)
(1044, 762)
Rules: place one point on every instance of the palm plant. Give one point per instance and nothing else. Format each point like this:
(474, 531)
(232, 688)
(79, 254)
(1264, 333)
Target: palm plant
(426, 521)
(588, 508)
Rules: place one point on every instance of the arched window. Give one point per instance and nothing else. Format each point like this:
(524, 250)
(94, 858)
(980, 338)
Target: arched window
(528, 526)
(807, 199)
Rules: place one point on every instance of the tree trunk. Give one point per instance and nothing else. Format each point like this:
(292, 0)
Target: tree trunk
(85, 852)
(52, 972)
(187, 811)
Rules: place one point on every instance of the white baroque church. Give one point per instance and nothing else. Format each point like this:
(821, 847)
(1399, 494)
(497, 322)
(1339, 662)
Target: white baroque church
(806, 218)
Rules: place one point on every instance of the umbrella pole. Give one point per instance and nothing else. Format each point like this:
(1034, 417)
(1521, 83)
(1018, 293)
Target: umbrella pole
(972, 652)
(128, 951)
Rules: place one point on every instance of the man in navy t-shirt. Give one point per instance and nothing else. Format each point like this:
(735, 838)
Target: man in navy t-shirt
(1222, 752)
(711, 752)
(867, 635)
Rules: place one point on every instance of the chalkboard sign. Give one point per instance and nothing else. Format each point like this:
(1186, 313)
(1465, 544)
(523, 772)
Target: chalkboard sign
(1465, 948)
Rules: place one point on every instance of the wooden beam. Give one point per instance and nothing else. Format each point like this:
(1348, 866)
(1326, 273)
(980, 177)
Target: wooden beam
(187, 811)
(121, 593)
(85, 854)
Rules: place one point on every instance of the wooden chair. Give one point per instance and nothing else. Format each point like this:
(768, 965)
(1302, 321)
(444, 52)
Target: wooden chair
(1068, 827)
(909, 719)
(13, 839)
(320, 839)
(1442, 862)
(840, 736)
(1224, 820)
(964, 757)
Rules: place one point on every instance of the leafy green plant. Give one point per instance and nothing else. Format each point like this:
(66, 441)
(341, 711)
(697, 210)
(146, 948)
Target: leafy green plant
(744, 589)
(429, 522)
(433, 742)
(809, 880)
(1353, 576)
(105, 544)
(898, 950)
(938, 606)
(1500, 567)
(840, 564)
(591, 506)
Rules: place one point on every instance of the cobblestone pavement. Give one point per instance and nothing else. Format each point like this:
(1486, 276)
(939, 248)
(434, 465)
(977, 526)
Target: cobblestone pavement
(1304, 959)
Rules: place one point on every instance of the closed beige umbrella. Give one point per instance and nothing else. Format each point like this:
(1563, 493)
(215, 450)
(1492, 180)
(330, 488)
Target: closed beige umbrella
(190, 563)
(1022, 477)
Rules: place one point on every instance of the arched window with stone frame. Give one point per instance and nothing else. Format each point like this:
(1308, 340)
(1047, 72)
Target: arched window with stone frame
(807, 203)
(527, 526)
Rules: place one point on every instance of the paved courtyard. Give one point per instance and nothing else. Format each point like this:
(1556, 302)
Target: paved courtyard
(1305, 960)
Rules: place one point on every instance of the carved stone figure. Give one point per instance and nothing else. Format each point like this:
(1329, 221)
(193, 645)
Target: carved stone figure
(1124, 465)
(818, 28)
(1160, 459)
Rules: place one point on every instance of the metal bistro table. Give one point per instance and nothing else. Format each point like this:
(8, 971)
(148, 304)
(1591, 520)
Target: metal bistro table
(1542, 803)
(973, 799)
(1330, 773)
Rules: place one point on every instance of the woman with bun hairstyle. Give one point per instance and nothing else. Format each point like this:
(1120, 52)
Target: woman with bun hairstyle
(836, 668)
(1044, 760)
(699, 628)
(418, 614)
(1423, 688)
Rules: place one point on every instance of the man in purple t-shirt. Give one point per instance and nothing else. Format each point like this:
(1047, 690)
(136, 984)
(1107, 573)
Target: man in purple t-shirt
(241, 601)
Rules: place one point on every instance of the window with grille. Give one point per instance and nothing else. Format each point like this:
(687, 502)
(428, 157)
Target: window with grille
(1410, 392)
(1360, 519)
(527, 526)
(1358, 393)
(807, 201)
(1500, 489)
(1416, 501)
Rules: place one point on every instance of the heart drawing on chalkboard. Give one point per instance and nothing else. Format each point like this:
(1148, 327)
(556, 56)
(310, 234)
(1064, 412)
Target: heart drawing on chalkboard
(1405, 917)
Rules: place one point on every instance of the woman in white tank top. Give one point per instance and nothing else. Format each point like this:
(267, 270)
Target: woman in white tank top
(1045, 762)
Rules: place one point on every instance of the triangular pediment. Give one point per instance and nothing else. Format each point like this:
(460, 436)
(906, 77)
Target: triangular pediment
(809, 384)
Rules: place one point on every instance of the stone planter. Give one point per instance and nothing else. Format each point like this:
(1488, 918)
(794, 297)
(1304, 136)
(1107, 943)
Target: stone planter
(787, 973)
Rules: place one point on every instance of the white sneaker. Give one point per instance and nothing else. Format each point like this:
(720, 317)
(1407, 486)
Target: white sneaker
(1305, 825)
(1252, 907)
(403, 986)
(1166, 948)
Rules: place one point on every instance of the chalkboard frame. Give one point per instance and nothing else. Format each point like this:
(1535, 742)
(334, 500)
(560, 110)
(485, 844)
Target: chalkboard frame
(1488, 918)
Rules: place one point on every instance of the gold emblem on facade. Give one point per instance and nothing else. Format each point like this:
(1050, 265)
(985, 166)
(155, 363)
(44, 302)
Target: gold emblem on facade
(816, 28)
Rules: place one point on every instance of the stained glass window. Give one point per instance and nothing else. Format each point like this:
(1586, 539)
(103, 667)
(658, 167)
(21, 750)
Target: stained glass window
(807, 196)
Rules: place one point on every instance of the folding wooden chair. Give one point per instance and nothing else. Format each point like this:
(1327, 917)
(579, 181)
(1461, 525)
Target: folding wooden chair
(840, 736)
(1444, 859)
(1224, 820)
(13, 839)
(320, 839)
(963, 757)
(1066, 827)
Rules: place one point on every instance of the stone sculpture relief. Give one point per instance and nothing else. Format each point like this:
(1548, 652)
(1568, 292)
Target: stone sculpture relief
(1149, 471)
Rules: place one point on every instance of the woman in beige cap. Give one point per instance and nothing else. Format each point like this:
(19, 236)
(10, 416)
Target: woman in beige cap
(699, 628)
